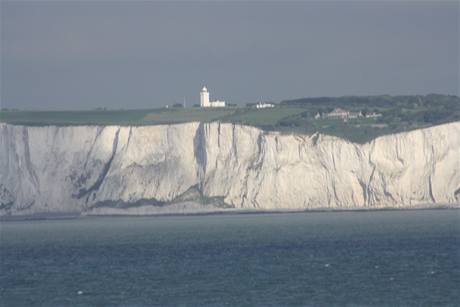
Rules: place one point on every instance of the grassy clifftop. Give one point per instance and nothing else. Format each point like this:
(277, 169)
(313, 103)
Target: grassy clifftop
(397, 113)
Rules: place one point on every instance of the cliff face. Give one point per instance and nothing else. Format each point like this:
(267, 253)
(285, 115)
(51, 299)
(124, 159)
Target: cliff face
(196, 167)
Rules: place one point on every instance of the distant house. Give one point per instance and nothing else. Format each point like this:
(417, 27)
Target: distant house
(260, 105)
(263, 105)
(352, 115)
(373, 115)
(339, 113)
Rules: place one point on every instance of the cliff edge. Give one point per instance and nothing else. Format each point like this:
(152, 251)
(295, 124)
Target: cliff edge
(196, 167)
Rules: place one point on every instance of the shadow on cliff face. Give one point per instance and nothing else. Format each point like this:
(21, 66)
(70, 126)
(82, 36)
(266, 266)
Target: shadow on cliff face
(105, 169)
(457, 195)
(199, 150)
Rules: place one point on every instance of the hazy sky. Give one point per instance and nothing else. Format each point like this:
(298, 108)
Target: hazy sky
(80, 55)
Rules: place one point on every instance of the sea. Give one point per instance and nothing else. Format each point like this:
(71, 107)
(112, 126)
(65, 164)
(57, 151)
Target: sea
(353, 258)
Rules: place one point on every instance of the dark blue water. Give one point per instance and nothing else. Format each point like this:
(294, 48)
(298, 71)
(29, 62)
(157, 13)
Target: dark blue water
(365, 258)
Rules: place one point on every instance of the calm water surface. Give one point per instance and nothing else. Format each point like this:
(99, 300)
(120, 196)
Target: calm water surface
(355, 258)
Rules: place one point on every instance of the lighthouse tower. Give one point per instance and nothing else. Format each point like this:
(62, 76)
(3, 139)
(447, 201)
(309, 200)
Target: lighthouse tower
(204, 98)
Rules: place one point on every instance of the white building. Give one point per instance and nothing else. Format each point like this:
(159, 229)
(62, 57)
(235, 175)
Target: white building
(338, 113)
(373, 115)
(204, 100)
(263, 105)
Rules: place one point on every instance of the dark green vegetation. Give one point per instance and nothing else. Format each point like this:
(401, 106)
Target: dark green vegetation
(398, 113)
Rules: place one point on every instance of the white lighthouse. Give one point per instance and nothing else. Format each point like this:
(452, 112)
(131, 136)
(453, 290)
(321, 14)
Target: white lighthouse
(204, 100)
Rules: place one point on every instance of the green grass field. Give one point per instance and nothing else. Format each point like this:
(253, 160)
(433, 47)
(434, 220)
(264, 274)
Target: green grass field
(41, 118)
(180, 115)
(113, 117)
(399, 113)
(262, 117)
(150, 116)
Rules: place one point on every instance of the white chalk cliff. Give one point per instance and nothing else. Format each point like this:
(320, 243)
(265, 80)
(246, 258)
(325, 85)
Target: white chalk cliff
(198, 167)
